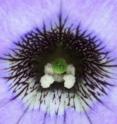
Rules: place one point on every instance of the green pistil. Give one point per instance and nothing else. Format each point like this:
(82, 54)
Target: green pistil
(59, 66)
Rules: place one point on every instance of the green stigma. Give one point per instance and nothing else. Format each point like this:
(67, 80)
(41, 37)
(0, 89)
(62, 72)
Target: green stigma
(59, 66)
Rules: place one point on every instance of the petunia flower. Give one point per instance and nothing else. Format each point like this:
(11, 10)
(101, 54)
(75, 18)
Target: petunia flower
(58, 60)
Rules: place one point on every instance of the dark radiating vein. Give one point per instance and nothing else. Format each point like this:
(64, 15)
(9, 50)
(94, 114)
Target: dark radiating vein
(22, 116)
(6, 102)
(64, 117)
(44, 118)
(89, 119)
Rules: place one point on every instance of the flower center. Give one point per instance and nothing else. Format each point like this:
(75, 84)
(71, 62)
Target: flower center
(57, 72)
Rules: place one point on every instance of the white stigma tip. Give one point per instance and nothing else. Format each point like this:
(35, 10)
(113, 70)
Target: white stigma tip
(69, 81)
(71, 69)
(48, 69)
(46, 81)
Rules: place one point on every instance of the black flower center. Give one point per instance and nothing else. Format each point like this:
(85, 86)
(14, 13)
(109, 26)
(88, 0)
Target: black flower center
(39, 47)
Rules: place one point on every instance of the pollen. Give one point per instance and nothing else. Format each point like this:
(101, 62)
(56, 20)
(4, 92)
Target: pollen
(46, 81)
(69, 81)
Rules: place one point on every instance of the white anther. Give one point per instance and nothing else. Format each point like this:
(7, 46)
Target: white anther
(71, 69)
(69, 81)
(46, 81)
(48, 69)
